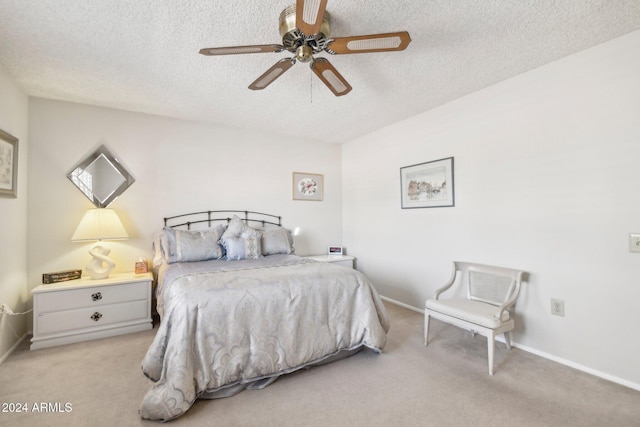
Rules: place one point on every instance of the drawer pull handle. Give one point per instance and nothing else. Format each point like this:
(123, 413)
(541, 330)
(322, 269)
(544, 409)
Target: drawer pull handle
(97, 296)
(96, 316)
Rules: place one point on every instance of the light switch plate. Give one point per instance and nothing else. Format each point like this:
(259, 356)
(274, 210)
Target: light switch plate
(634, 242)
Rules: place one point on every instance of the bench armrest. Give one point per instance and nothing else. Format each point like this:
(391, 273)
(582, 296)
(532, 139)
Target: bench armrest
(447, 285)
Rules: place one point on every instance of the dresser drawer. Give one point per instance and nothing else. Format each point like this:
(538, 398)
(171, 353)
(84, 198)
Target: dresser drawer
(91, 297)
(87, 309)
(91, 317)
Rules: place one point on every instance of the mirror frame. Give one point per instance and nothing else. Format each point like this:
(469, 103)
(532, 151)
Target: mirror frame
(116, 190)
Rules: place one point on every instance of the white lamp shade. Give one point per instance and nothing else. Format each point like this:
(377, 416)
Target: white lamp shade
(100, 224)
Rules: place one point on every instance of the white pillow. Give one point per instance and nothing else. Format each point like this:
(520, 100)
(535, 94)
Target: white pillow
(189, 246)
(243, 247)
(238, 228)
(277, 241)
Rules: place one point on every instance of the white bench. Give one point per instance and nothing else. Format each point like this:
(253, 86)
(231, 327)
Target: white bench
(491, 292)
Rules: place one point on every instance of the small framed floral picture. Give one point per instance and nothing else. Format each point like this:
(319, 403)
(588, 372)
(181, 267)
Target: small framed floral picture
(308, 186)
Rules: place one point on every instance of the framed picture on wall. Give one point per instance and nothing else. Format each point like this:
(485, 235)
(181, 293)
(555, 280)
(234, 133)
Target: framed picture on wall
(308, 186)
(8, 165)
(428, 185)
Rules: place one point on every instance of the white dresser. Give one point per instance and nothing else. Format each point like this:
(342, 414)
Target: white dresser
(345, 260)
(86, 309)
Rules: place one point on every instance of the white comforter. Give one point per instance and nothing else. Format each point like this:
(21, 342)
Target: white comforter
(247, 322)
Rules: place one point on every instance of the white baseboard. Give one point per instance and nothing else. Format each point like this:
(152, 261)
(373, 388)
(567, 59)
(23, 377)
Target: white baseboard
(551, 357)
(13, 348)
(579, 367)
(401, 304)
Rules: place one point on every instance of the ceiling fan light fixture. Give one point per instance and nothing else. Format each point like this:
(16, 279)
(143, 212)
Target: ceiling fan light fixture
(304, 53)
(305, 31)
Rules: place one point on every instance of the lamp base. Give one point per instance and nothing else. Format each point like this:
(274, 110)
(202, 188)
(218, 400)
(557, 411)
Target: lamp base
(100, 266)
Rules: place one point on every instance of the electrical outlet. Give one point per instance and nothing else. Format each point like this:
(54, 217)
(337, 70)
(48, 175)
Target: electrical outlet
(557, 307)
(634, 242)
(4, 309)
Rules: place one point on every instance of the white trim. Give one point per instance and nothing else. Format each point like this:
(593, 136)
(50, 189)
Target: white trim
(542, 354)
(70, 338)
(13, 347)
(578, 366)
(401, 304)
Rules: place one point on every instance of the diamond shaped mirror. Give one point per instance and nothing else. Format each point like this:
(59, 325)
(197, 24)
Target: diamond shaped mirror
(101, 177)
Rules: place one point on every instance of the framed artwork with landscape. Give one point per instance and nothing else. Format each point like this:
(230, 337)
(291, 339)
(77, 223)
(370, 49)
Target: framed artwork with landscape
(428, 185)
(8, 165)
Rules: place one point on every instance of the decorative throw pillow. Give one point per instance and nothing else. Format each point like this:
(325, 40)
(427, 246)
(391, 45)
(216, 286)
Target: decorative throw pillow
(243, 248)
(238, 228)
(189, 246)
(277, 241)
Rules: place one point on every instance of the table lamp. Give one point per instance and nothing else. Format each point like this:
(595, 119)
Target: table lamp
(100, 224)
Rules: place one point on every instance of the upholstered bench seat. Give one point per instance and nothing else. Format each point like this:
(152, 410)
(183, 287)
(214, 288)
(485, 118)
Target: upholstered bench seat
(476, 312)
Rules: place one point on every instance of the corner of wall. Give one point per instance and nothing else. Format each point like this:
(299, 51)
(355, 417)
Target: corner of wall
(14, 111)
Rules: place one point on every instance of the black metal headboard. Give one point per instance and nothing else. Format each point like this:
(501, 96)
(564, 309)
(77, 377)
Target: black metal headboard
(213, 217)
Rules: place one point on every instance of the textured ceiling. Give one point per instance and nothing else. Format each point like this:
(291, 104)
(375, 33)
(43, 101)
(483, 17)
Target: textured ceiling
(143, 56)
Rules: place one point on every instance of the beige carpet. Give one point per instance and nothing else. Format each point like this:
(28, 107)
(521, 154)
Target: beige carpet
(445, 384)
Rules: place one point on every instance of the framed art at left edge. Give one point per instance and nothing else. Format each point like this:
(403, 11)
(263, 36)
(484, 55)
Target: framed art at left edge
(8, 165)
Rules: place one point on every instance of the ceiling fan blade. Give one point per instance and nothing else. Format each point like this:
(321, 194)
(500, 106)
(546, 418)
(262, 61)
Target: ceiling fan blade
(236, 50)
(372, 43)
(309, 15)
(271, 74)
(330, 77)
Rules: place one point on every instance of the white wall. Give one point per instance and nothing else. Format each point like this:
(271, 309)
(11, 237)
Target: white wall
(13, 220)
(546, 180)
(179, 167)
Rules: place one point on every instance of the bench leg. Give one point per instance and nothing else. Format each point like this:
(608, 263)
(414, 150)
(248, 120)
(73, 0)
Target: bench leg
(507, 339)
(491, 346)
(426, 328)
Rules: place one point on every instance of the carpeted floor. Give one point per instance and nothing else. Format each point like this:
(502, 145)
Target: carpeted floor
(99, 383)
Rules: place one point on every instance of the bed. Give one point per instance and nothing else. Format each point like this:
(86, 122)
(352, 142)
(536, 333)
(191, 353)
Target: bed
(238, 309)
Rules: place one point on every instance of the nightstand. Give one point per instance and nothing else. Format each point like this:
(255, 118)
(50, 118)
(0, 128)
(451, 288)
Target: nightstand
(345, 260)
(86, 309)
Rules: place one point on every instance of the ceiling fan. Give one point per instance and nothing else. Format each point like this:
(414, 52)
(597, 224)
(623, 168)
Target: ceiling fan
(305, 31)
